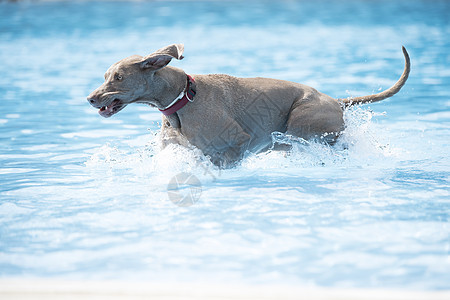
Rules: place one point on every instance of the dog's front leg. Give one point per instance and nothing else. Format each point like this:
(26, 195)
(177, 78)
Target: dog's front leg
(170, 135)
(229, 146)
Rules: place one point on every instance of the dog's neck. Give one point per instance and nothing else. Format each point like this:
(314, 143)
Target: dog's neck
(172, 81)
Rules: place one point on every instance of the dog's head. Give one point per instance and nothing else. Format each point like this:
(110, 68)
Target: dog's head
(131, 79)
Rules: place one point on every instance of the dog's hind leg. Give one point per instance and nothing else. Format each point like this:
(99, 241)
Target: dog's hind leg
(316, 117)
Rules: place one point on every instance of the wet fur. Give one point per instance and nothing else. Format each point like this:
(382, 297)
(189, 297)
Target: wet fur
(229, 115)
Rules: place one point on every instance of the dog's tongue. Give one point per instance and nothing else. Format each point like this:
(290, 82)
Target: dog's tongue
(108, 111)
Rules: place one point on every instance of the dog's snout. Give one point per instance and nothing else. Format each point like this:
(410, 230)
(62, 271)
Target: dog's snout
(93, 101)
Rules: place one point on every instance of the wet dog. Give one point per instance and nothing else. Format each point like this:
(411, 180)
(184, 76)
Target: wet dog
(222, 115)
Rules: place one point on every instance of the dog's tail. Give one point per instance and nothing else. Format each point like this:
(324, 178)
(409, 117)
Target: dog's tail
(385, 94)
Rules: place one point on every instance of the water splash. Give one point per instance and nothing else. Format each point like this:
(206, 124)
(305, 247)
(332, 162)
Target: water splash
(362, 143)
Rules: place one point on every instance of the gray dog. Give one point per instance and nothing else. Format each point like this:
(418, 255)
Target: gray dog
(224, 116)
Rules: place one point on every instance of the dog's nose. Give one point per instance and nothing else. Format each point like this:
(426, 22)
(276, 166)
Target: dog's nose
(93, 101)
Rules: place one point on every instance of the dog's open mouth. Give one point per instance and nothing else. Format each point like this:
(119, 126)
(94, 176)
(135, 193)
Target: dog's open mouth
(114, 107)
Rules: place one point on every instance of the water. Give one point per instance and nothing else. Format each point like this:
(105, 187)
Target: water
(84, 197)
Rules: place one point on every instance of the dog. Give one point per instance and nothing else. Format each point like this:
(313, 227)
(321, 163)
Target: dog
(222, 115)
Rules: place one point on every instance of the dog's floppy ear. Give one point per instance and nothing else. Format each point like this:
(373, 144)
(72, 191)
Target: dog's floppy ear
(162, 57)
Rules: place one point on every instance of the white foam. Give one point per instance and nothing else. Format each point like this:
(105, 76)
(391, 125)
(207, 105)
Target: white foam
(98, 133)
(142, 161)
(16, 170)
(13, 116)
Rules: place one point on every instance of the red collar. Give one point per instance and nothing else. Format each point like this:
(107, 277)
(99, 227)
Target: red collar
(187, 95)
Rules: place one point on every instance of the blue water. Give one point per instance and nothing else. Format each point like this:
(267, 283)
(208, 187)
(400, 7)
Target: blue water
(82, 197)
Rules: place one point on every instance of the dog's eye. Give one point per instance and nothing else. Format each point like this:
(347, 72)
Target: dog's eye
(119, 77)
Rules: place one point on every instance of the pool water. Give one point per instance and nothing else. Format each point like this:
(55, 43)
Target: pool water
(82, 197)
